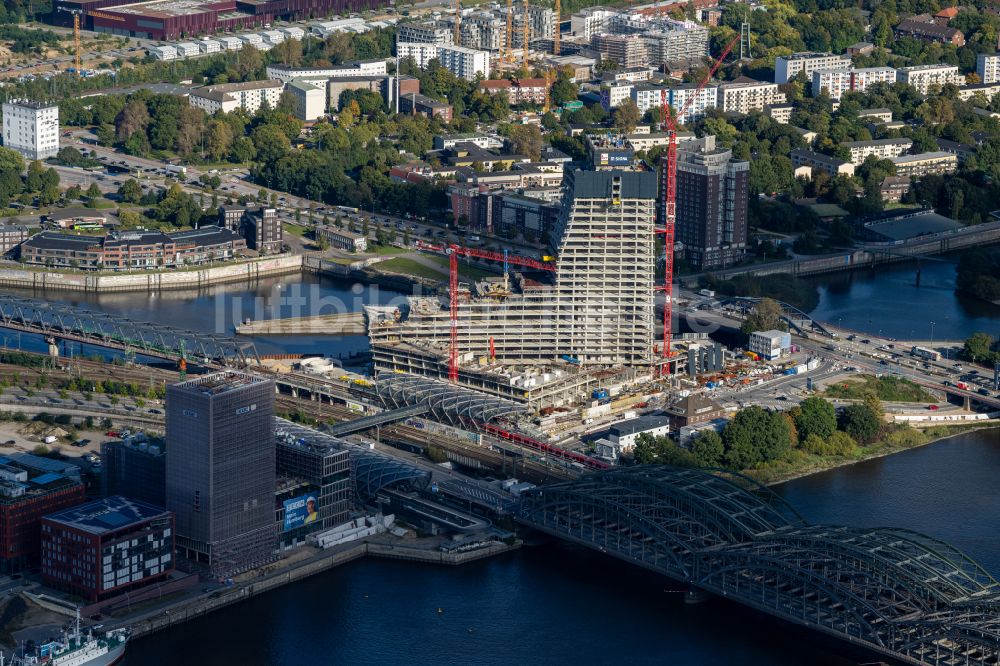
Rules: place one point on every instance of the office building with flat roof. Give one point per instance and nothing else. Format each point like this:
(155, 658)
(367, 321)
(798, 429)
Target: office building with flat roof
(31, 128)
(221, 470)
(104, 548)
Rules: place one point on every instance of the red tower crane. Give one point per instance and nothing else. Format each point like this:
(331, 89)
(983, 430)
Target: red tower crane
(454, 252)
(669, 175)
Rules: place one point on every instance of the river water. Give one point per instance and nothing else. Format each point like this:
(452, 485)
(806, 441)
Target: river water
(888, 301)
(557, 604)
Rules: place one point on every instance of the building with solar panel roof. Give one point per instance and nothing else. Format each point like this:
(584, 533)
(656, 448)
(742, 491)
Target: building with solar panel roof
(101, 549)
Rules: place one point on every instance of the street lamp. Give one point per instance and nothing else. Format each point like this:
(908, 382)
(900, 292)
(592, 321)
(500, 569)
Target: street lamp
(932, 331)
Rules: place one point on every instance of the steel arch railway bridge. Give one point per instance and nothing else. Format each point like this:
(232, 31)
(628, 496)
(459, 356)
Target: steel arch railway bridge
(896, 592)
(67, 322)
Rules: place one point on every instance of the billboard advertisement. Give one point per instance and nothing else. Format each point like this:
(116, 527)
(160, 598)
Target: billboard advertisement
(299, 511)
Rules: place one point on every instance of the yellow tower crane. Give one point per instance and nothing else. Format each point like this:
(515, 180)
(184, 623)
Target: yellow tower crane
(524, 33)
(555, 37)
(76, 35)
(458, 22)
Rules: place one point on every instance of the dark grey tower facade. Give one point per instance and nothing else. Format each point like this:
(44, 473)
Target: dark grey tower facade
(712, 191)
(221, 470)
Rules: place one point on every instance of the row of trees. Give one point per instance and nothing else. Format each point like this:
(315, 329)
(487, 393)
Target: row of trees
(755, 437)
(38, 183)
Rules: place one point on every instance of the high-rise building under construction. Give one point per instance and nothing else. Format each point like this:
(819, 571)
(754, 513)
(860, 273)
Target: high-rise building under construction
(597, 311)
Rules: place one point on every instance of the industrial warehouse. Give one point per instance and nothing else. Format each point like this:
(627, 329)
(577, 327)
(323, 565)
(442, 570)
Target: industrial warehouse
(171, 19)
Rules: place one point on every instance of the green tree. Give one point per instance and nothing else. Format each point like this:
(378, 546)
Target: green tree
(93, 192)
(130, 191)
(626, 117)
(765, 316)
(815, 416)
(861, 423)
(708, 448)
(755, 436)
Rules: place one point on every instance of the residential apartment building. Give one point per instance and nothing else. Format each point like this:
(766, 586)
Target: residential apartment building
(436, 32)
(780, 113)
(986, 91)
(880, 115)
(926, 78)
(613, 94)
(287, 73)
(923, 164)
(108, 547)
(745, 95)
(421, 52)
(541, 24)
(837, 82)
(342, 239)
(31, 128)
(684, 42)
(788, 67)
(417, 103)
(463, 62)
(929, 29)
(712, 204)
(988, 67)
(806, 162)
(484, 32)
(627, 50)
(647, 96)
(310, 99)
(880, 148)
(518, 91)
(249, 96)
(590, 21)
(221, 470)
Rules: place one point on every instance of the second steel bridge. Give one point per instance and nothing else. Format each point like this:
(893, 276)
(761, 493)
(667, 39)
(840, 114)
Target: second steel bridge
(895, 592)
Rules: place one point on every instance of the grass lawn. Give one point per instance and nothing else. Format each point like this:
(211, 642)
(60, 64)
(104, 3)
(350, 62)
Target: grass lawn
(101, 204)
(410, 267)
(889, 389)
(388, 250)
(294, 230)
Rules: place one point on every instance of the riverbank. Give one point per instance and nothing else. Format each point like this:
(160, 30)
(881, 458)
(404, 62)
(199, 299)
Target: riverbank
(298, 568)
(150, 281)
(904, 439)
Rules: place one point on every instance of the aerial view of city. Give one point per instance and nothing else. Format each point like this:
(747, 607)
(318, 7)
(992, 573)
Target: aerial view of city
(500, 332)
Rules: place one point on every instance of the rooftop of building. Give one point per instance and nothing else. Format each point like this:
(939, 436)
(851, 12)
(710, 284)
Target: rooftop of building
(305, 86)
(919, 68)
(639, 424)
(919, 157)
(598, 184)
(226, 88)
(692, 405)
(162, 8)
(772, 334)
(207, 235)
(77, 213)
(219, 383)
(876, 111)
(53, 240)
(31, 104)
(878, 142)
(804, 55)
(820, 158)
(108, 515)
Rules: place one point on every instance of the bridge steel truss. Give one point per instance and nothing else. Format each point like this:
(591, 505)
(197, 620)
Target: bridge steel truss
(68, 322)
(896, 592)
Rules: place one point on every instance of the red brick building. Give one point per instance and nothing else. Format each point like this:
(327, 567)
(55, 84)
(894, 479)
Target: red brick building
(102, 549)
(25, 497)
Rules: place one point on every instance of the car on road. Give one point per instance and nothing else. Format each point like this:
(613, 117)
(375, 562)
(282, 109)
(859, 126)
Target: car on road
(933, 408)
(155, 411)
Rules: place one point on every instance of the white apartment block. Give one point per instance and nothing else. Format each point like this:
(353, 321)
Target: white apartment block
(927, 77)
(614, 94)
(836, 82)
(987, 90)
(163, 52)
(209, 46)
(293, 32)
(780, 113)
(484, 32)
(421, 52)
(226, 97)
(425, 33)
(288, 73)
(230, 43)
(541, 24)
(588, 22)
(253, 39)
(787, 67)
(310, 99)
(463, 62)
(881, 148)
(273, 37)
(647, 97)
(988, 67)
(31, 128)
(187, 49)
(746, 95)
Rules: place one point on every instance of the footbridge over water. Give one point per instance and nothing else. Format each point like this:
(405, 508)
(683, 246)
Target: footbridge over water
(797, 319)
(898, 593)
